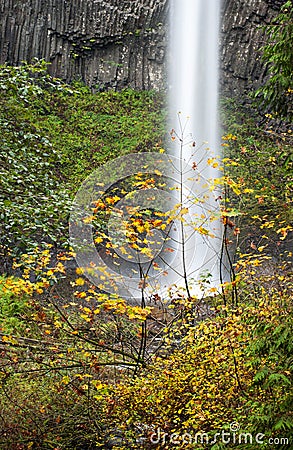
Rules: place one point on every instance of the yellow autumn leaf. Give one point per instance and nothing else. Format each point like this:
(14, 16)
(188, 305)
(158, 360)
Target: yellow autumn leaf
(88, 219)
(65, 380)
(184, 211)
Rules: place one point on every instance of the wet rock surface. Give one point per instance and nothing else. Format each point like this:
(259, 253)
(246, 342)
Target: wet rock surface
(104, 43)
(242, 37)
(123, 43)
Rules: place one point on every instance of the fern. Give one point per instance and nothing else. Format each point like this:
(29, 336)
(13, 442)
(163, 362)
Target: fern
(276, 93)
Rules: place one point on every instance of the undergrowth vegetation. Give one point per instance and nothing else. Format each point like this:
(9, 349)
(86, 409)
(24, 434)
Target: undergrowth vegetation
(276, 93)
(82, 369)
(52, 137)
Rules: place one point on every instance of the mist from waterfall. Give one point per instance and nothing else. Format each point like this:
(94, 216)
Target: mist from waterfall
(193, 105)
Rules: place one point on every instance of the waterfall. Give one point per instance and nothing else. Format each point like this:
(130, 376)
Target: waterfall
(193, 101)
(193, 61)
(188, 247)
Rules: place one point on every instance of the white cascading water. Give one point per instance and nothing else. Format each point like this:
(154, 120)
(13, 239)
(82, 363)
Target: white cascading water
(193, 101)
(194, 249)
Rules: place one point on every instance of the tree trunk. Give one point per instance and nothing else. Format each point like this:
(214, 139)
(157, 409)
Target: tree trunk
(123, 43)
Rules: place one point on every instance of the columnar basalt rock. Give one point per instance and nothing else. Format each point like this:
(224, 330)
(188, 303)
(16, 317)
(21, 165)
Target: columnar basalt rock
(123, 43)
(106, 43)
(242, 37)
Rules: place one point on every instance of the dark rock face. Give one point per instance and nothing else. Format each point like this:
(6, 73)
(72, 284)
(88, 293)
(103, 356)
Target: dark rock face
(106, 43)
(123, 43)
(242, 37)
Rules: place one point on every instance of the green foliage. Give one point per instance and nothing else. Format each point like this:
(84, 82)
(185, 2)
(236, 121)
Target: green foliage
(270, 352)
(278, 55)
(43, 413)
(33, 202)
(88, 129)
(14, 296)
(51, 136)
(69, 354)
(221, 374)
(55, 358)
(67, 379)
(259, 160)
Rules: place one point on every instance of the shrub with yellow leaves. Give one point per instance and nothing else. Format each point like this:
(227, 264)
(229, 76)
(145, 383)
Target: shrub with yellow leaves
(225, 371)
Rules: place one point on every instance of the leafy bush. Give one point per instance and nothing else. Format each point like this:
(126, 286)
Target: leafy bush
(227, 372)
(259, 161)
(276, 93)
(65, 378)
(14, 294)
(52, 136)
(58, 357)
(81, 369)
